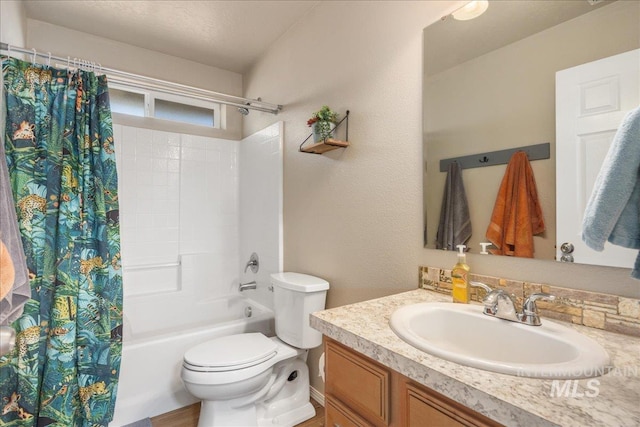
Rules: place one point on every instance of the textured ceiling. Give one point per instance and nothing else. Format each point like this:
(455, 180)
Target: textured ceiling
(230, 35)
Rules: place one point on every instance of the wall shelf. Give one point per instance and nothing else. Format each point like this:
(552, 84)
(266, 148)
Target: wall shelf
(324, 146)
(328, 144)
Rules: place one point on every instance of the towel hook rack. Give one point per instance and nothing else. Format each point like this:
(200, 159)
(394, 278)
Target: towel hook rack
(500, 157)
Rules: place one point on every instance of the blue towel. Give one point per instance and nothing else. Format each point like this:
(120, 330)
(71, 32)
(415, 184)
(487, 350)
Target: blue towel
(613, 210)
(454, 227)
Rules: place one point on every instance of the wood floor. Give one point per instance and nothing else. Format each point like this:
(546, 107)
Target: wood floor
(188, 417)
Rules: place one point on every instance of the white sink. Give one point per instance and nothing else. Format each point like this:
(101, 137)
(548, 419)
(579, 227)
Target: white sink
(463, 334)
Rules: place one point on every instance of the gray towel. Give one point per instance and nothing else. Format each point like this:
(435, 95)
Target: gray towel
(14, 277)
(454, 227)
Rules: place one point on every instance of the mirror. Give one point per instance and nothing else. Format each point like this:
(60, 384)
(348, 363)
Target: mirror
(489, 85)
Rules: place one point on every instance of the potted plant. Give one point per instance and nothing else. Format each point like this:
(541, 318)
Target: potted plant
(322, 122)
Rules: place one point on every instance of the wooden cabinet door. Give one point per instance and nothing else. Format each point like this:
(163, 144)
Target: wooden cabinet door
(337, 415)
(358, 382)
(422, 407)
(360, 392)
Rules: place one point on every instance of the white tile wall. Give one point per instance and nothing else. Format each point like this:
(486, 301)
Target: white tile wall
(204, 203)
(178, 197)
(261, 192)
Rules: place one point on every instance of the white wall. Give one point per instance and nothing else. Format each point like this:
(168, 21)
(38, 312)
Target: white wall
(13, 22)
(354, 216)
(260, 211)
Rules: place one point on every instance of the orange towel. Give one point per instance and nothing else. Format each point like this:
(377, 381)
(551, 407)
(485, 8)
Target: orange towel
(517, 215)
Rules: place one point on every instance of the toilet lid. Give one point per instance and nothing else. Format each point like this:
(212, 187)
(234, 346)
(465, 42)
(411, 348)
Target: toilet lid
(231, 352)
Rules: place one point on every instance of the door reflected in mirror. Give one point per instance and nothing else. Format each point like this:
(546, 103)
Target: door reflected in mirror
(490, 85)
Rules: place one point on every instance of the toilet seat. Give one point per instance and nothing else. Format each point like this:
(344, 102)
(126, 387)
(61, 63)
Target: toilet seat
(230, 353)
(200, 373)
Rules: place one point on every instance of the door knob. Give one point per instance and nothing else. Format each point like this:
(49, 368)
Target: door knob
(566, 258)
(567, 248)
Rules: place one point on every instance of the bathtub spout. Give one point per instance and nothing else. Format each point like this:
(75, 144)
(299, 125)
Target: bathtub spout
(248, 285)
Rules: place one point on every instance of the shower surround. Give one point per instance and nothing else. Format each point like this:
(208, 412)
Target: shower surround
(192, 209)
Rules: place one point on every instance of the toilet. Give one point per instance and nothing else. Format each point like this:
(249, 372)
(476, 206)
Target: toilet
(250, 379)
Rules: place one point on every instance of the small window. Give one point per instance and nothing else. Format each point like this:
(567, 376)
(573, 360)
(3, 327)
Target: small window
(126, 102)
(140, 102)
(178, 112)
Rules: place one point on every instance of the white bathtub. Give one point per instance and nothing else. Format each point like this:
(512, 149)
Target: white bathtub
(154, 345)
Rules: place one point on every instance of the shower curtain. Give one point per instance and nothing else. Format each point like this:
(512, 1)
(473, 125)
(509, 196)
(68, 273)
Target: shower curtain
(60, 154)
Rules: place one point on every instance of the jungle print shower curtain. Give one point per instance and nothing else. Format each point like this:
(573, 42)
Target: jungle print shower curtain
(60, 154)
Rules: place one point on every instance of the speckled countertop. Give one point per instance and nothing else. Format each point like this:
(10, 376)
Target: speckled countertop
(510, 400)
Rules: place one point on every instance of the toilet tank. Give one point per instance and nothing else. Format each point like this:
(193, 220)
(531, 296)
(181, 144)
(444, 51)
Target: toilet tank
(295, 297)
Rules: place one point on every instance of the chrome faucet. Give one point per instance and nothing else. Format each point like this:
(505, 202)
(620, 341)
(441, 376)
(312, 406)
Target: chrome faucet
(529, 313)
(253, 263)
(498, 303)
(247, 286)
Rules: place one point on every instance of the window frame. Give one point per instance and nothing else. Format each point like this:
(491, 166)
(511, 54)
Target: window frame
(150, 97)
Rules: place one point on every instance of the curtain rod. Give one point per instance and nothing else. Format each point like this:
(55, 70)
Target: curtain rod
(131, 79)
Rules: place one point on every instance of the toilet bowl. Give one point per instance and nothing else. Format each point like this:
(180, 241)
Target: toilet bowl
(253, 380)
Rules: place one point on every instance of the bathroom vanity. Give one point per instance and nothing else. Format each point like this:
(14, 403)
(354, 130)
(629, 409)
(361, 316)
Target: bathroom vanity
(361, 392)
(375, 378)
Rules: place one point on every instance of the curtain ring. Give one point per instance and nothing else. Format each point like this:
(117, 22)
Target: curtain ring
(49, 60)
(8, 49)
(33, 58)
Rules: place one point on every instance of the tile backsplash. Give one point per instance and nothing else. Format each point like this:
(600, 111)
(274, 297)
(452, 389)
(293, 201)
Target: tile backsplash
(596, 310)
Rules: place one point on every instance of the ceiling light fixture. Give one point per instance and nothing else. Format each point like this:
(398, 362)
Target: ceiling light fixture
(471, 10)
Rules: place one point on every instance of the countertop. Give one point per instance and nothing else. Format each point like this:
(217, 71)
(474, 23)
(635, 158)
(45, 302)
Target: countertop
(510, 400)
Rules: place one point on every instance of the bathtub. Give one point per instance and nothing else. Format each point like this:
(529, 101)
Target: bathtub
(153, 347)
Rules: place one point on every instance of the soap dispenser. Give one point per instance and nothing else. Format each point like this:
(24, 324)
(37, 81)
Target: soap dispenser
(460, 278)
